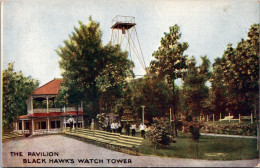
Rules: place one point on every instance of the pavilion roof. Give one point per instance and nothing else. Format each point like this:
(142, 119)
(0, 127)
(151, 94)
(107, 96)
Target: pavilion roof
(52, 114)
(50, 88)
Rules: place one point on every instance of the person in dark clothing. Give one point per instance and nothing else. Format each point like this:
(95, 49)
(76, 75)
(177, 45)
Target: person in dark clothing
(119, 127)
(127, 129)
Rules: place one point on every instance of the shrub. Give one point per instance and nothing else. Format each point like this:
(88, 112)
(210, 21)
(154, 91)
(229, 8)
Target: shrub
(160, 132)
(101, 120)
(231, 129)
(193, 126)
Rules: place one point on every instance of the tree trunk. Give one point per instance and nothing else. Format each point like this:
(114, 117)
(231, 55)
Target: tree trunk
(174, 110)
(100, 104)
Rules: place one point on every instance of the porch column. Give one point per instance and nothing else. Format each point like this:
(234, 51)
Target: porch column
(32, 104)
(64, 121)
(73, 123)
(22, 126)
(32, 125)
(47, 98)
(61, 123)
(48, 124)
(82, 121)
(16, 125)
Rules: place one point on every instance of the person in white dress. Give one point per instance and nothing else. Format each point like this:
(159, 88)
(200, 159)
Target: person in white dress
(133, 127)
(112, 126)
(116, 127)
(142, 127)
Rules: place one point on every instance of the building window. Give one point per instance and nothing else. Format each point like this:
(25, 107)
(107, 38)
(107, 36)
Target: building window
(27, 125)
(43, 125)
(52, 124)
(58, 124)
(20, 125)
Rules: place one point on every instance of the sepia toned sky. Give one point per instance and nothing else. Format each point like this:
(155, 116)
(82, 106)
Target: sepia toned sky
(34, 29)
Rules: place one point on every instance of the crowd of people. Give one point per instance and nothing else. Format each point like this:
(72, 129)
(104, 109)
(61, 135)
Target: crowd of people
(116, 127)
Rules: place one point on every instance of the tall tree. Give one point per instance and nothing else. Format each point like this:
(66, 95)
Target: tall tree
(195, 91)
(170, 59)
(16, 90)
(218, 93)
(241, 73)
(88, 67)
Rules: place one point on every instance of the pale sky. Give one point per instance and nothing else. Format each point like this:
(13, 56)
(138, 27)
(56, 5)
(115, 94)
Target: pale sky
(34, 29)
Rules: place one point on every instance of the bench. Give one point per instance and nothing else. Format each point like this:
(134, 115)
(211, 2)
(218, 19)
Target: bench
(86, 134)
(107, 139)
(245, 117)
(128, 142)
(228, 118)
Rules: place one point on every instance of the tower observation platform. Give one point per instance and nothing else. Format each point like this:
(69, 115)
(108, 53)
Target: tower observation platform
(125, 35)
(123, 23)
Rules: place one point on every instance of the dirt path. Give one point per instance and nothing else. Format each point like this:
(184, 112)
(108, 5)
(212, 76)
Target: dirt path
(69, 150)
(231, 136)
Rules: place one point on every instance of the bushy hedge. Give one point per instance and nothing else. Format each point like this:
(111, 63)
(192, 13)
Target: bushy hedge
(231, 129)
(160, 132)
(193, 126)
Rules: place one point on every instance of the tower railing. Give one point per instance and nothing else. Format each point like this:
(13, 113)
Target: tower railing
(123, 19)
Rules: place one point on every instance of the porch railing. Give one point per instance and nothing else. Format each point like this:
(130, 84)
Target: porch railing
(51, 110)
(23, 131)
(40, 131)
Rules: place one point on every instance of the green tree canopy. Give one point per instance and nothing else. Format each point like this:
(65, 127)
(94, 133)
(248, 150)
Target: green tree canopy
(170, 58)
(218, 93)
(16, 90)
(89, 68)
(240, 68)
(195, 91)
(155, 95)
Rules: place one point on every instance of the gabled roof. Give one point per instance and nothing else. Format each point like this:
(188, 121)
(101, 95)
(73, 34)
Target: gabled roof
(50, 88)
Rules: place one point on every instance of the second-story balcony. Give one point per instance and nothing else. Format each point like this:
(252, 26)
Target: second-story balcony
(51, 110)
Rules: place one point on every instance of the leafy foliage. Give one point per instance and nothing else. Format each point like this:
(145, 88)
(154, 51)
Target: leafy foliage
(193, 126)
(240, 69)
(195, 92)
(170, 58)
(231, 129)
(160, 132)
(218, 93)
(16, 90)
(154, 95)
(88, 68)
(170, 61)
(101, 120)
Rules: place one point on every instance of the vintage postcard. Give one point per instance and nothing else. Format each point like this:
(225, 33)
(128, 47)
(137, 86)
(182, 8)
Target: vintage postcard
(129, 83)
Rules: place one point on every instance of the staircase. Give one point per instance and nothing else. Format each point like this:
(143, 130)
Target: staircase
(8, 135)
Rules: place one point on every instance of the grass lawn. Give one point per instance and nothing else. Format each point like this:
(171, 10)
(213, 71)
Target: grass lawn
(209, 148)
